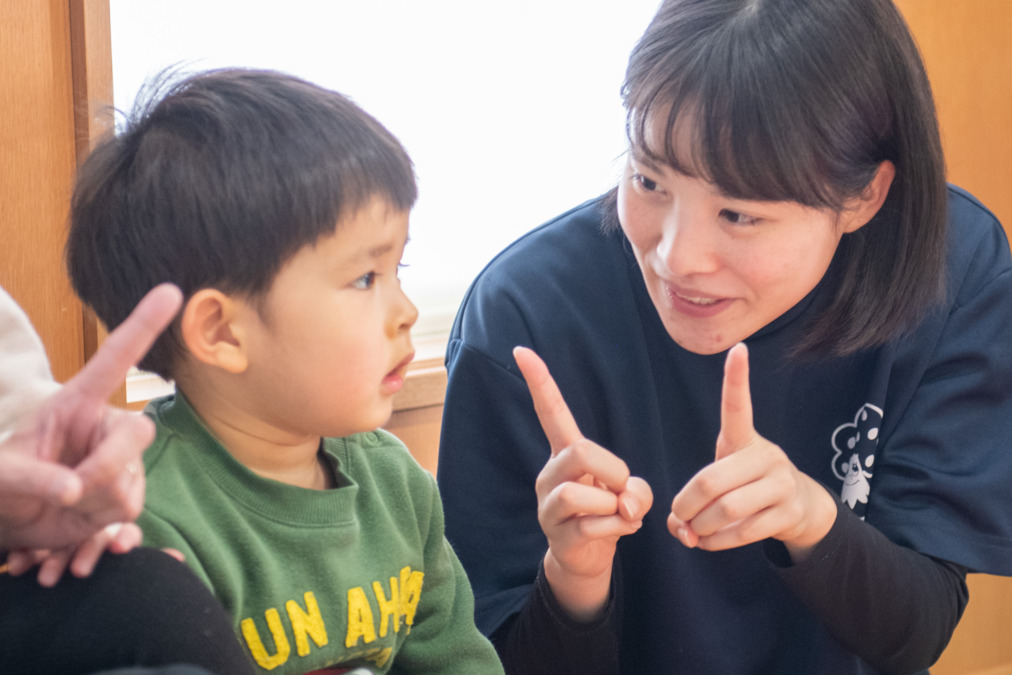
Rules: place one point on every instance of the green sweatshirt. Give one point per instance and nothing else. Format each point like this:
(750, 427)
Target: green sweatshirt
(359, 575)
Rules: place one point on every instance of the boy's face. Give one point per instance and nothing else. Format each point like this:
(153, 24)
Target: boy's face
(331, 343)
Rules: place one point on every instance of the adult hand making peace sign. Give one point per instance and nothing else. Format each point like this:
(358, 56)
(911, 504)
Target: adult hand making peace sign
(71, 477)
(586, 500)
(752, 491)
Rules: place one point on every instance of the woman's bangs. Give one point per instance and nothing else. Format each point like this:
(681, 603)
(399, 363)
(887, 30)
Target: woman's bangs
(741, 137)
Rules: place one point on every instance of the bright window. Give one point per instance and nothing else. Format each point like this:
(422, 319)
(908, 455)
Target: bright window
(510, 111)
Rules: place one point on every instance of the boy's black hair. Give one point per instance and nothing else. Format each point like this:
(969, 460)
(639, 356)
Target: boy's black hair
(215, 181)
(801, 100)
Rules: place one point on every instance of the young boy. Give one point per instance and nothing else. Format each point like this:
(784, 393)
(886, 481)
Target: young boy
(281, 211)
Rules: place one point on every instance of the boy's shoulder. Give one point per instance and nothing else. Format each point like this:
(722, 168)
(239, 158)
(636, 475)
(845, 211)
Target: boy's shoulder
(162, 411)
(379, 457)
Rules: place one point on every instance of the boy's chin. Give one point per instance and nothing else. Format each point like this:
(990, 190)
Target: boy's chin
(371, 422)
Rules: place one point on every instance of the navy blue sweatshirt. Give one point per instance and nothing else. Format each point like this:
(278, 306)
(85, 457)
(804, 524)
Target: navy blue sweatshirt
(913, 437)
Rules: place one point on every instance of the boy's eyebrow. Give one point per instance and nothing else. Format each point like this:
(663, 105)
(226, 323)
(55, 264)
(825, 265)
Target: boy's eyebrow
(375, 252)
(383, 249)
(379, 251)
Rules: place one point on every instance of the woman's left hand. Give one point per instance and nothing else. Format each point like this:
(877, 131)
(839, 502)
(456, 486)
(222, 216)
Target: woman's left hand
(752, 491)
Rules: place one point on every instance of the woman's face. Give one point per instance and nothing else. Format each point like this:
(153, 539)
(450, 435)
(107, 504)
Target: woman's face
(718, 269)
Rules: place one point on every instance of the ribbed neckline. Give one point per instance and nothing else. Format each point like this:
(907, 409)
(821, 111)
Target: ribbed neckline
(266, 497)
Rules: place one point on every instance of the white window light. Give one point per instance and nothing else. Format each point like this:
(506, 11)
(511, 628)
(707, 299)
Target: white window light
(510, 111)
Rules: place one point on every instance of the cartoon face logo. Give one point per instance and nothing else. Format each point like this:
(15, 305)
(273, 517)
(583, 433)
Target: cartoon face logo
(854, 446)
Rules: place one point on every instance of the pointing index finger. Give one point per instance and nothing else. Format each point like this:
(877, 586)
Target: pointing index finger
(553, 413)
(736, 428)
(126, 345)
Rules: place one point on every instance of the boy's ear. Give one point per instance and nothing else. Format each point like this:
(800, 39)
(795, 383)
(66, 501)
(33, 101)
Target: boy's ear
(211, 330)
(862, 209)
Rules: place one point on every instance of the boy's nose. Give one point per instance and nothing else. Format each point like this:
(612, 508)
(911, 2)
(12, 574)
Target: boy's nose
(407, 313)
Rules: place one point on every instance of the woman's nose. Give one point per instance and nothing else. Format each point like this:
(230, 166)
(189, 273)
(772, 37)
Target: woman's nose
(687, 244)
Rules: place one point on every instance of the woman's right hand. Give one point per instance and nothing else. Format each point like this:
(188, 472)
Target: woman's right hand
(586, 500)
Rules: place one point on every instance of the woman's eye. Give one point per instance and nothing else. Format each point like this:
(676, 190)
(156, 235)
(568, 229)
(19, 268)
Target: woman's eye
(644, 182)
(365, 282)
(738, 218)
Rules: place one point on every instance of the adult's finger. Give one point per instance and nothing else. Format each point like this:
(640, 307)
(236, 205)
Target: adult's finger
(570, 500)
(553, 413)
(736, 427)
(22, 560)
(118, 453)
(636, 500)
(126, 345)
(53, 567)
(127, 538)
(25, 476)
(587, 462)
(115, 537)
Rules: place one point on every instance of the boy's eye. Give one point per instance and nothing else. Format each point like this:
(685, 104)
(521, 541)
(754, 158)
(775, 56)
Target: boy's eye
(737, 218)
(644, 182)
(365, 282)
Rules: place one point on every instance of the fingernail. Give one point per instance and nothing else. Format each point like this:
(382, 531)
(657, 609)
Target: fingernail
(631, 508)
(683, 536)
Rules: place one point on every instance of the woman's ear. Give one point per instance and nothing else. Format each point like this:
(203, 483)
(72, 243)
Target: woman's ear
(212, 332)
(862, 209)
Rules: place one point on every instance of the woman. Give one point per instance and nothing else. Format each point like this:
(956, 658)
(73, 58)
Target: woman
(821, 497)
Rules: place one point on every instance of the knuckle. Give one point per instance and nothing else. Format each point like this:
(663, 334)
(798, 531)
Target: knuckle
(556, 406)
(580, 451)
(585, 528)
(566, 494)
(132, 511)
(731, 508)
(795, 511)
(785, 482)
(749, 531)
(773, 454)
(707, 483)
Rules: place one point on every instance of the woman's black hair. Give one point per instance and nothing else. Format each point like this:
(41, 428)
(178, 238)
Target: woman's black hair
(802, 100)
(215, 181)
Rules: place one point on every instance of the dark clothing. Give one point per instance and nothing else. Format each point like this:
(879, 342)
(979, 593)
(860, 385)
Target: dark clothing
(912, 436)
(142, 609)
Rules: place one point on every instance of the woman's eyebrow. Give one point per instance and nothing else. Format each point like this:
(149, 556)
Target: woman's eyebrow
(640, 157)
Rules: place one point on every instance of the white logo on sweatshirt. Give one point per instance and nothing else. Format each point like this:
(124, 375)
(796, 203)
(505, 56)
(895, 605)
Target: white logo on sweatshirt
(854, 453)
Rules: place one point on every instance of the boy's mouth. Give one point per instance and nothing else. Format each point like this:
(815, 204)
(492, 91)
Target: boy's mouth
(394, 380)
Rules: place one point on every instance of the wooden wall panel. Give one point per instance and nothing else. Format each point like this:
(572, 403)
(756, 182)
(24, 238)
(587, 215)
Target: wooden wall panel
(419, 429)
(91, 59)
(967, 50)
(37, 160)
(981, 644)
